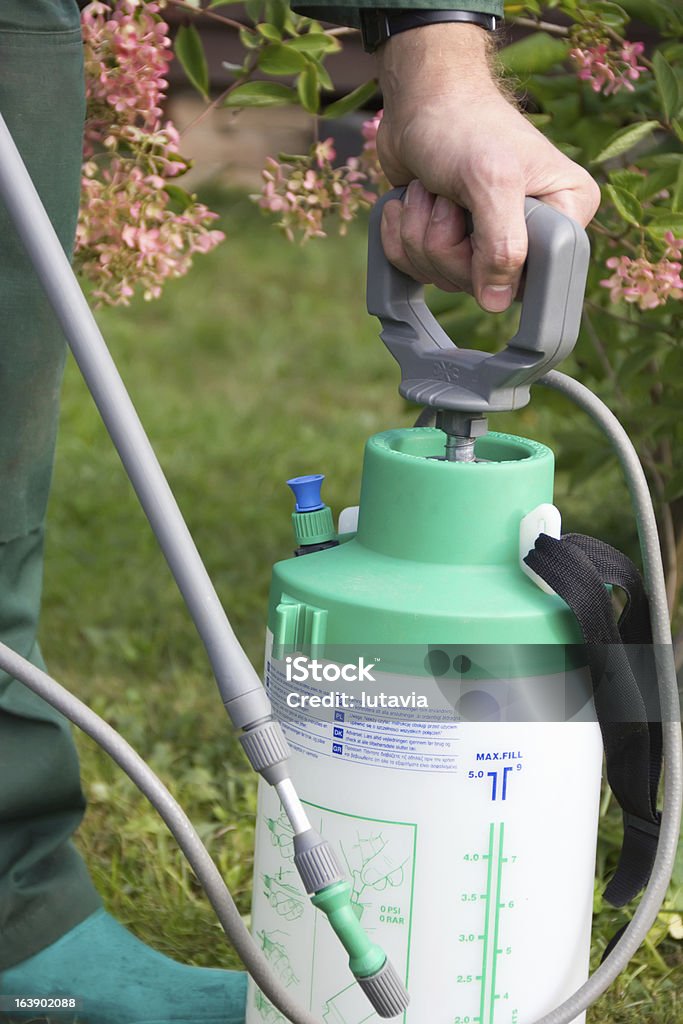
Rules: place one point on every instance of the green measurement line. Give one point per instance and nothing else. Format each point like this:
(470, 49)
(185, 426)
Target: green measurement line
(482, 1004)
(496, 928)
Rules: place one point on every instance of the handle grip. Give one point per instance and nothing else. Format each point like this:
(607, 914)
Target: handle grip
(436, 372)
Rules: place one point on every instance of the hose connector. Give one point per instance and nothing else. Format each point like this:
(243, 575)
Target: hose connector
(267, 749)
(316, 861)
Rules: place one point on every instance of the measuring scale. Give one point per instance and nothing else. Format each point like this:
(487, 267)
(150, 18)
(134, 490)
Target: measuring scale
(443, 827)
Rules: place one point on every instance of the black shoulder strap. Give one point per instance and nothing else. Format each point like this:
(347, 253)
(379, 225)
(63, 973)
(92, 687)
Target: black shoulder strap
(621, 664)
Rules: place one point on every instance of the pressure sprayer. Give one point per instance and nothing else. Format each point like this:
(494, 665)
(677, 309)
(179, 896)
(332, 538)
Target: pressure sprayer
(431, 841)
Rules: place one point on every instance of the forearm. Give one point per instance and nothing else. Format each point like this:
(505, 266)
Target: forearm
(425, 65)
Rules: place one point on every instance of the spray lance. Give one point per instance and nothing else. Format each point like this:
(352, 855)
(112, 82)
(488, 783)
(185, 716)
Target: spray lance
(241, 690)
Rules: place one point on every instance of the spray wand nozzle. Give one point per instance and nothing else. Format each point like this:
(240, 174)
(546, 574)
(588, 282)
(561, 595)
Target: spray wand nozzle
(324, 881)
(323, 877)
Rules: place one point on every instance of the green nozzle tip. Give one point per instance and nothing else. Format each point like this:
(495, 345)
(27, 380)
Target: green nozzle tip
(365, 957)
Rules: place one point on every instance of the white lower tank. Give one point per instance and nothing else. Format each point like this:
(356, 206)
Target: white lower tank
(470, 848)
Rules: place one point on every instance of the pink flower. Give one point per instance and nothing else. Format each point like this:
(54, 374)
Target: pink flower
(674, 246)
(324, 152)
(128, 233)
(609, 68)
(368, 161)
(306, 191)
(647, 284)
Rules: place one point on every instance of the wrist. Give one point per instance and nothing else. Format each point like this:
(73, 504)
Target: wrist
(426, 63)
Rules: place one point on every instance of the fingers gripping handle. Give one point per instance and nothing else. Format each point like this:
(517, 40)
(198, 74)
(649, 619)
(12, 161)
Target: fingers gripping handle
(437, 373)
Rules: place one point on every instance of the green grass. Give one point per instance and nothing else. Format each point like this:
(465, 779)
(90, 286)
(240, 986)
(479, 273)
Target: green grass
(260, 365)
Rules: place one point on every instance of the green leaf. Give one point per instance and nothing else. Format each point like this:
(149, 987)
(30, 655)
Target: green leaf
(279, 59)
(678, 128)
(657, 180)
(179, 196)
(352, 101)
(539, 120)
(535, 54)
(667, 85)
(629, 180)
(314, 42)
(659, 160)
(276, 13)
(626, 203)
(269, 32)
(249, 39)
(625, 139)
(254, 8)
(190, 52)
(611, 14)
(260, 94)
(646, 10)
(665, 221)
(307, 88)
(324, 78)
(677, 197)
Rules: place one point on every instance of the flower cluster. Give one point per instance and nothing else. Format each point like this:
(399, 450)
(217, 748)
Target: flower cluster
(646, 283)
(609, 67)
(135, 227)
(307, 190)
(130, 236)
(127, 52)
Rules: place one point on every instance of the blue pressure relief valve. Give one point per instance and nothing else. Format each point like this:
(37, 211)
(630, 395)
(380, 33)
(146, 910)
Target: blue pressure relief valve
(312, 518)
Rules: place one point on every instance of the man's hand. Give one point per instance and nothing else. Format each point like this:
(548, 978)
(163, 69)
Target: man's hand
(449, 132)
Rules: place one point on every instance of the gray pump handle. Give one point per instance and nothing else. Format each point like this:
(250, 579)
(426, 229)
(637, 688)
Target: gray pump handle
(436, 372)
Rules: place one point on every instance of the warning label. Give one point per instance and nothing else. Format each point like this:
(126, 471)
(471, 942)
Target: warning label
(392, 726)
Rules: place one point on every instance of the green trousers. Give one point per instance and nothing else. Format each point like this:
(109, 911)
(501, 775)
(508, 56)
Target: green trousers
(45, 889)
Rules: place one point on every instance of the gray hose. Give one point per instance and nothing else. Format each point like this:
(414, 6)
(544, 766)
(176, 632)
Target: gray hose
(651, 901)
(239, 684)
(213, 884)
(175, 818)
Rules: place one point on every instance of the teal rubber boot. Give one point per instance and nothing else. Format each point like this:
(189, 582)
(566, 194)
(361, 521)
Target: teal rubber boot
(117, 979)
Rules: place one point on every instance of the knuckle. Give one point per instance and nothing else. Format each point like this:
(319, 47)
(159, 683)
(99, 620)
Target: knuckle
(494, 173)
(506, 256)
(435, 244)
(412, 236)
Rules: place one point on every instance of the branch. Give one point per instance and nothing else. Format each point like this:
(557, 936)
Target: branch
(541, 26)
(217, 102)
(621, 239)
(614, 316)
(204, 12)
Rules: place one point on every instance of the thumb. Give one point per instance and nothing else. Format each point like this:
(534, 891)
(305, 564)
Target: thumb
(499, 246)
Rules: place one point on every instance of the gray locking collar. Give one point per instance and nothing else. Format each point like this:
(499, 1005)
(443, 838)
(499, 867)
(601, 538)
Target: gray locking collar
(386, 991)
(316, 861)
